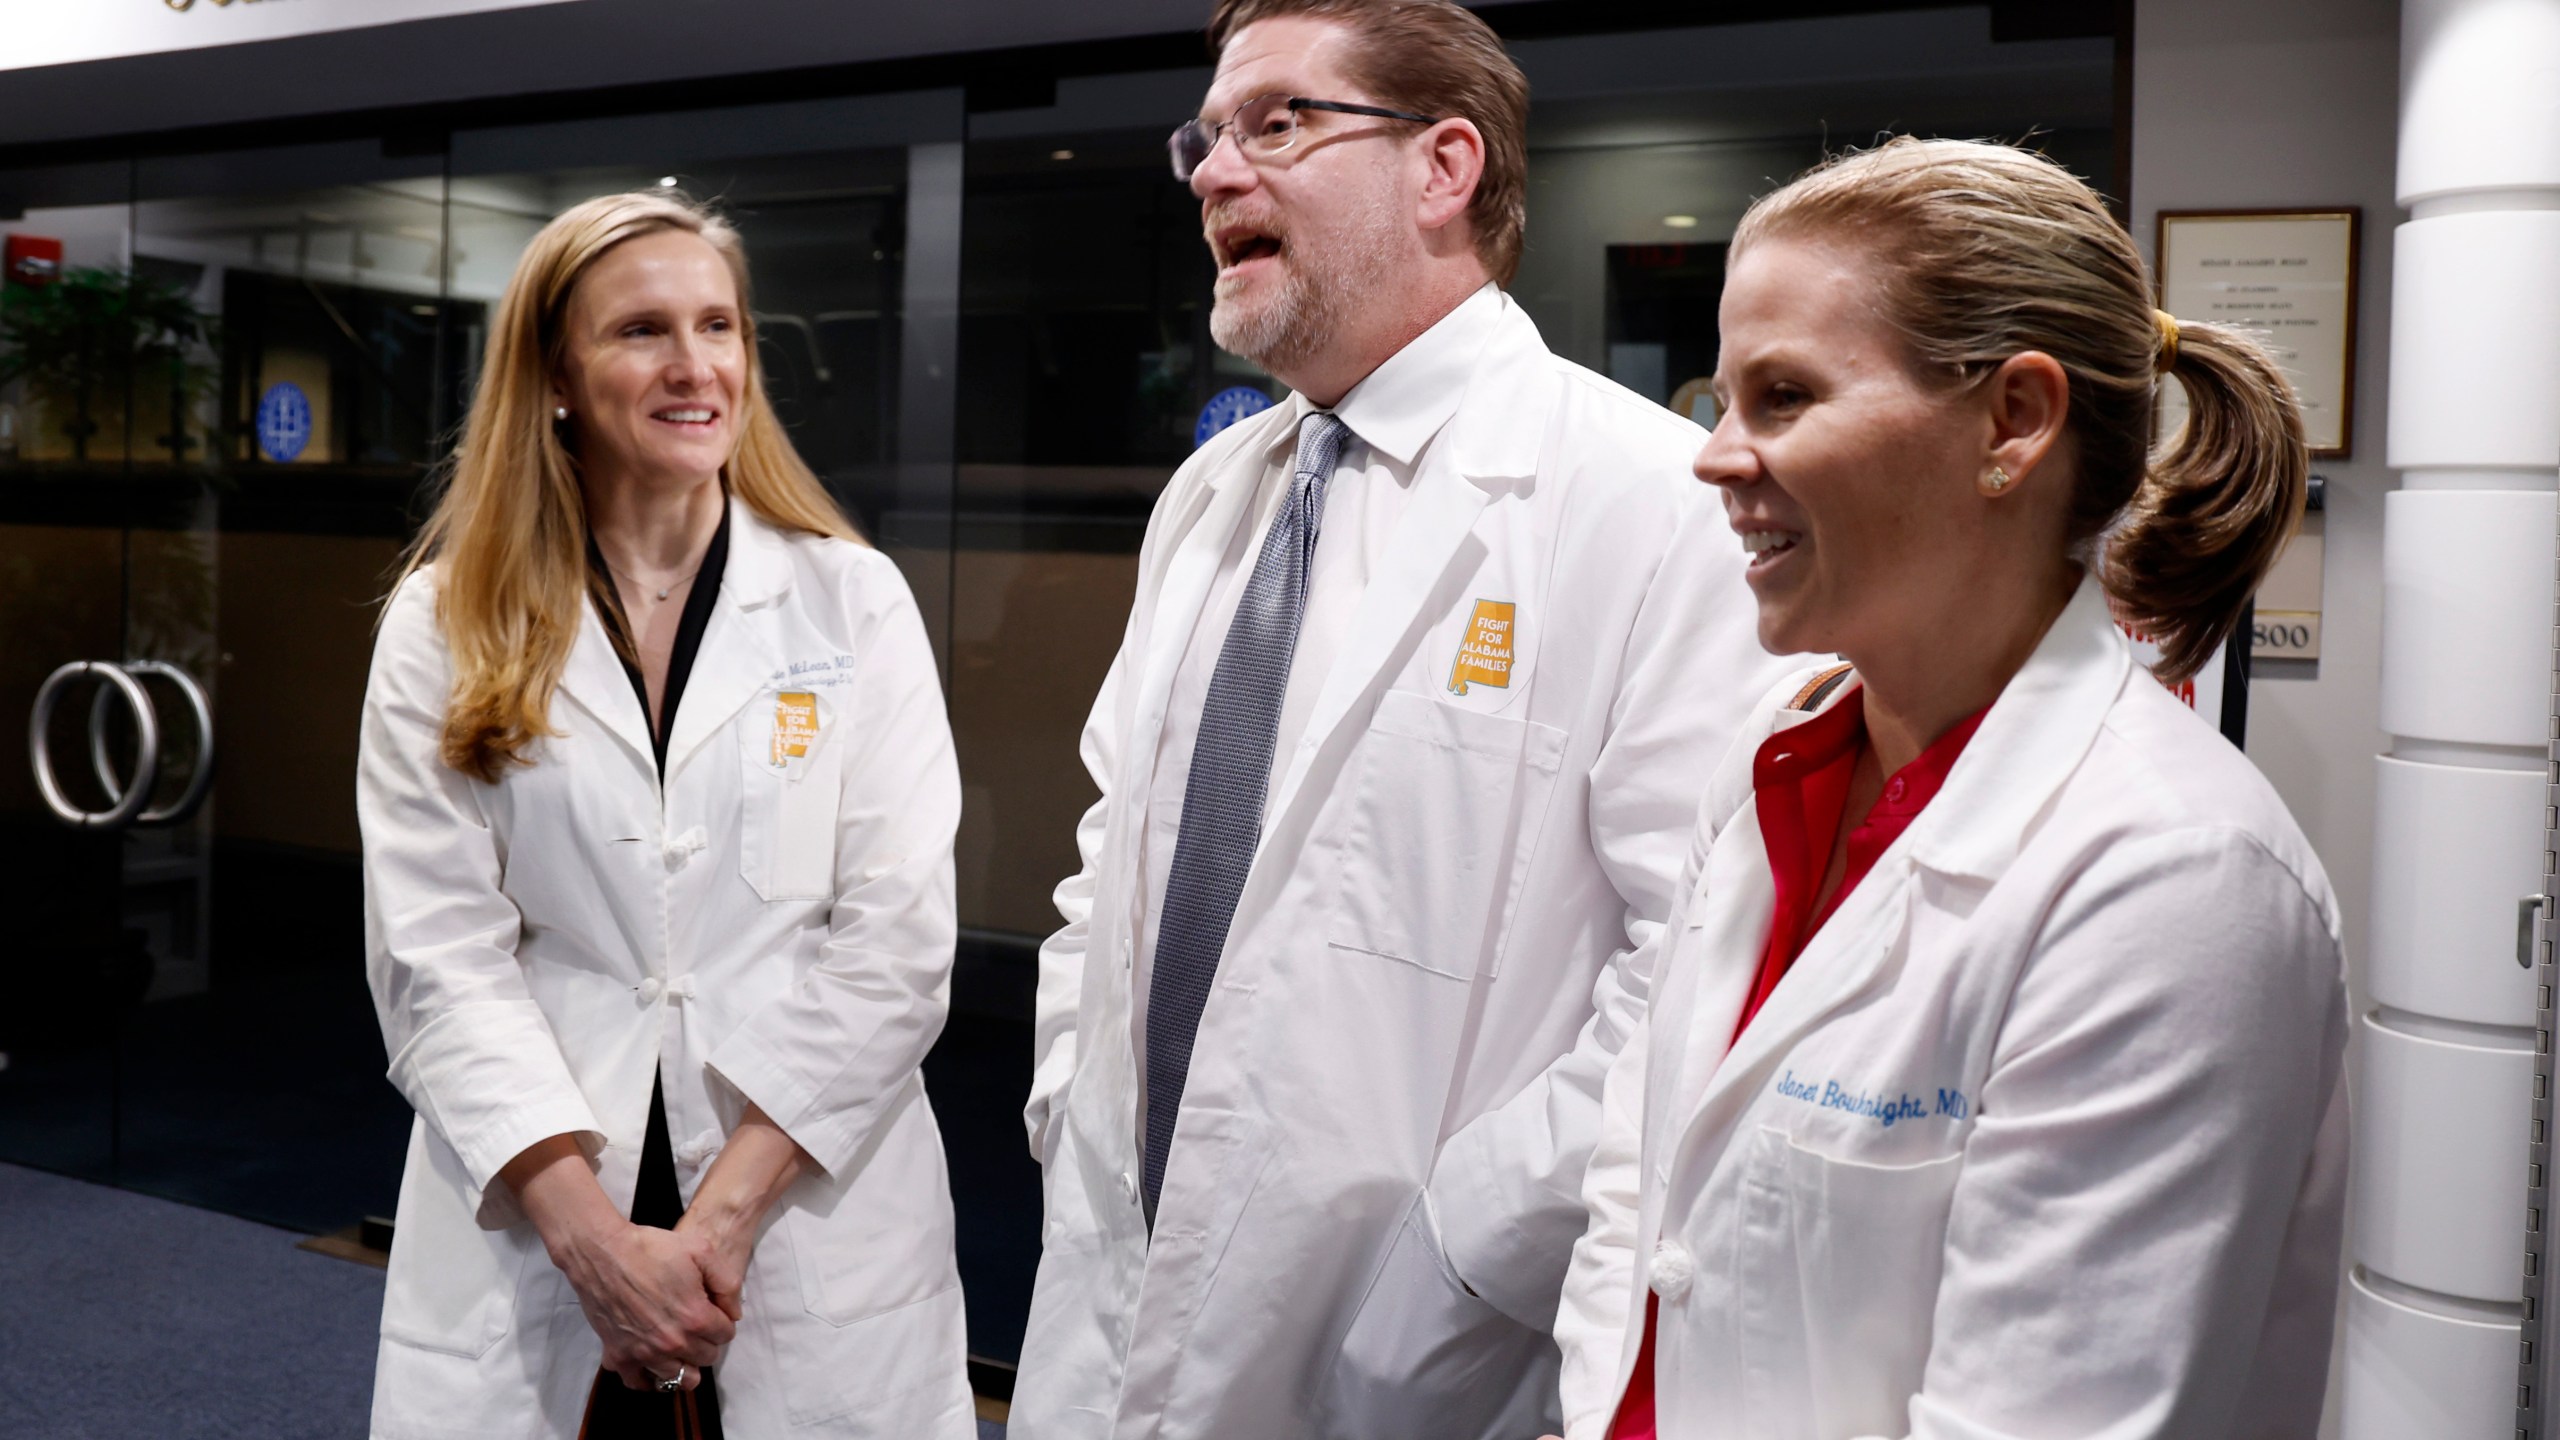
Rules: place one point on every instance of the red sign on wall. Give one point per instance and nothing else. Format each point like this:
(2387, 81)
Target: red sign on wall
(30, 260)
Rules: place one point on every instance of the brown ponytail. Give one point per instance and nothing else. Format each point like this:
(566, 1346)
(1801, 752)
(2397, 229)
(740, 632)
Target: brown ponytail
(2218, 503)
(1989, 252)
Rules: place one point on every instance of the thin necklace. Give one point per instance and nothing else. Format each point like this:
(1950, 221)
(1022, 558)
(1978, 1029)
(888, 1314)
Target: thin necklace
(664, 592)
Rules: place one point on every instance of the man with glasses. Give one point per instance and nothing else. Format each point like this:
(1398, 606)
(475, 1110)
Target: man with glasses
(1399, 761)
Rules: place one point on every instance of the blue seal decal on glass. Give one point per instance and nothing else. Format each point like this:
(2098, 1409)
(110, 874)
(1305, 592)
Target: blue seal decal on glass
(284, 422)
(1226, 408)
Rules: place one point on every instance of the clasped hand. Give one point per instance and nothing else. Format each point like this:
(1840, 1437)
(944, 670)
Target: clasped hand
(658, 1299)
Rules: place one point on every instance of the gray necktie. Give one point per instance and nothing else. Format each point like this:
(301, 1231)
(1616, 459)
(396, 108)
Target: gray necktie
(1230, 773)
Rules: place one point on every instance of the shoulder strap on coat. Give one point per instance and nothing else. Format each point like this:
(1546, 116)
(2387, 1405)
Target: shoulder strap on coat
(1819, 688)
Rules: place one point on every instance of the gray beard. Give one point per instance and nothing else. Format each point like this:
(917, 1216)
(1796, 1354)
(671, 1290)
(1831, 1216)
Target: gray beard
(1285, 330)
(1319, 287)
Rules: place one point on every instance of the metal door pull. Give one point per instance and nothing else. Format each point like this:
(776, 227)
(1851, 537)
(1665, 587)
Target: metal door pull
(130, 804)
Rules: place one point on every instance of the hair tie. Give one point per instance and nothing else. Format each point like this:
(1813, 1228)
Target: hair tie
(2166, 358)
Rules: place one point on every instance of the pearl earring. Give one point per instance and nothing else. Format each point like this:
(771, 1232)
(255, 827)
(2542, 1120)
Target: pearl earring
(559, 412)
(1996, 481)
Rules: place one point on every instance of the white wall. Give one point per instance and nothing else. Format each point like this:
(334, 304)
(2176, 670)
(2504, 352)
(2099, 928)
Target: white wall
(2295, 103)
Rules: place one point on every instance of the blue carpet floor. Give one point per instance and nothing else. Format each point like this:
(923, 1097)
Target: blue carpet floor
(126, 1316)
(130, 1316)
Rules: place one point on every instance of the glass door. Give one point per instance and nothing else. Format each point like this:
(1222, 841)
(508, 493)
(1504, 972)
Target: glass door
(254, 1084)
(226, 379)
(107, 568)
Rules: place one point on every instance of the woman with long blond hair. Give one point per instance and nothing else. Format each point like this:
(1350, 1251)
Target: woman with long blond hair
(657, 796)
(1990, 1084)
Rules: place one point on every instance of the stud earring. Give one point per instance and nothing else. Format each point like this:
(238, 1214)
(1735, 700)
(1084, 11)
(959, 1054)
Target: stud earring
(1996, 481)
(559, 412)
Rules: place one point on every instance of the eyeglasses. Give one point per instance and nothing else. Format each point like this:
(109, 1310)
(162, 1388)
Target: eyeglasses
(1263, 127)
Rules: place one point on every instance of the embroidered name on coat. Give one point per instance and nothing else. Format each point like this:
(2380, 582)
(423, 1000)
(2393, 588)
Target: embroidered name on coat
(1880, 1108)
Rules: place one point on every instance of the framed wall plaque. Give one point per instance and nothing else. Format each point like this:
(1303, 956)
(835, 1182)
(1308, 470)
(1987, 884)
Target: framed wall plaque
(2288, 275)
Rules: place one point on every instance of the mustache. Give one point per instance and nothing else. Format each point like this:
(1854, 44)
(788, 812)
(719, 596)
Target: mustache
(1224, 215)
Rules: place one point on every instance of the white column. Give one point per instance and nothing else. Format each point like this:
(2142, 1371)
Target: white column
(2445, 1047)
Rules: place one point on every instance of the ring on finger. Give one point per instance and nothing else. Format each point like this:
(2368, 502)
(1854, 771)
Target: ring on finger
(669, 1384)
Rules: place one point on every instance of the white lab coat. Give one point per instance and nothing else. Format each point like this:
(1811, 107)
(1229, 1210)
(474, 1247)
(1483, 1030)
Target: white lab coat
(542, 949)
(1396, 1079)
(2043, 1135)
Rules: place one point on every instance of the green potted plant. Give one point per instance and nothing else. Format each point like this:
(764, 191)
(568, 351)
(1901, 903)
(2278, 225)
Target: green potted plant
(99, 335)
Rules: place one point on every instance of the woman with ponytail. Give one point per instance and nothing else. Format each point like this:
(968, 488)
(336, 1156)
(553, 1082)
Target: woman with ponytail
(1991, 1082)
(657, 797)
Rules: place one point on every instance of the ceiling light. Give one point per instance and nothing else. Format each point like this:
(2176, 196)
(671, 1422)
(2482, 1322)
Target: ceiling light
(1681, 222)
(1062, 154)
(668, 182)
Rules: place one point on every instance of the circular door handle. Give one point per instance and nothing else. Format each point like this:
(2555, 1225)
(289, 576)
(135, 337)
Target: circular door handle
(129, 801)
(199, 783)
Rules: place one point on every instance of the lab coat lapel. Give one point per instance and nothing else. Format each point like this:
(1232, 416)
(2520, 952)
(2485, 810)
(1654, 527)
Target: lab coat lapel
(1711, 1081)
(595, 681)
(1845, 958)
(1201, 540)
(1489, 450)
(1712, 957)
(739, 654)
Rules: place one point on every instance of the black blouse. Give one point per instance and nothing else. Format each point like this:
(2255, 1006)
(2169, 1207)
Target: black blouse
(689, 628)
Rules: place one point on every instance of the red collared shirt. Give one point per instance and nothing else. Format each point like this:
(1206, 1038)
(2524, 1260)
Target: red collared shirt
(1800, 786)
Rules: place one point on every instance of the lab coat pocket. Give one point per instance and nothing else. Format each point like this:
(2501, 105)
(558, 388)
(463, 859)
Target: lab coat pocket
(1443, 812)
(452, 1285)
(880, 1237)
(789, 758)
(885, 1367)
(869, 1255)
(1870, 1243)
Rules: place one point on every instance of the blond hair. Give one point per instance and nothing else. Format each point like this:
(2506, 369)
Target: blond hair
(509, 535)
(1436, 58)
(1985, 252)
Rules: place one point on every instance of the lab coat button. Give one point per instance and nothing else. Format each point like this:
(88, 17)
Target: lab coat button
(651, 989)
(1672, 1269)
(680, 849)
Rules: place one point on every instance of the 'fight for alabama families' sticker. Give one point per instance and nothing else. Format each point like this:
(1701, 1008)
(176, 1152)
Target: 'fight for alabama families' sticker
(795, 725)
(1484, 651)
